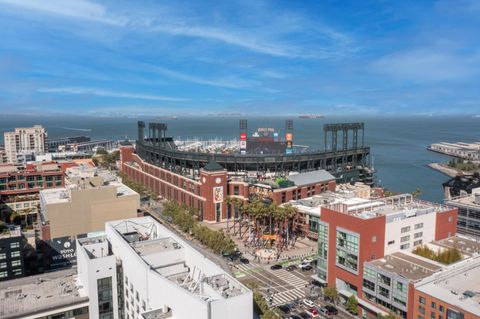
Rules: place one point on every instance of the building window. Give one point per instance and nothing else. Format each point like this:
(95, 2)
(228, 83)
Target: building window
(374, 239)
(417, 242)
(3, 256)
(105, 298)
(421, 300)
(15, 254)
(368, 285)
(405, 229)
(236, 190)
(451, 314)
(347, 250)
(405, 246)
(391, 242)
(16, 263)
(383, 292)
(284, 197)
(3, 265)
(440, 308)
(418, 226)
(405, 238)
(421, 309)
(384, 279)
(322, 250)
(418, 235)
(433, 315)
(3, 274)
(15, 245)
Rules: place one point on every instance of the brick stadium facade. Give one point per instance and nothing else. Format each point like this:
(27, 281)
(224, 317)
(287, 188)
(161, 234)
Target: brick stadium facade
(208, 192)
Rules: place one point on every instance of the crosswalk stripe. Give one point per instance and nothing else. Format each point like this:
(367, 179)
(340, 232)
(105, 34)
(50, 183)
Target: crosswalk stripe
(290, 278)
(287, 296)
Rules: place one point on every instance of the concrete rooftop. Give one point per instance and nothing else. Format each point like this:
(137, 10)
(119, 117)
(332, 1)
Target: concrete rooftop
(35, 294)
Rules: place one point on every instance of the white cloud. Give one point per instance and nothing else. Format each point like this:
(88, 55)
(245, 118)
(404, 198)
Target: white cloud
(81, 9)
(429, 65)
(107, 93)
(175, 25)
(228, 82)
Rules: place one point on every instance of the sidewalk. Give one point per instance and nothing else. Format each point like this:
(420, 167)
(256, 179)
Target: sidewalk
(303, 247)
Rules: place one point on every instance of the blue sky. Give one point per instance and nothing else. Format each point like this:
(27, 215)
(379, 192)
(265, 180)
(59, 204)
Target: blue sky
(247, 56)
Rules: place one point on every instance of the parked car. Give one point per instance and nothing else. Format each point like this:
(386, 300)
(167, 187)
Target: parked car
(305, 315)
(307, 260)
(324, 311)
(276, 266)
(332, 309)
(316, 283)
(303, 265)
(285, 308)
(293, 317)
(291, 268)
(308, 303)
(312, 311)
(307, 268)
(244, 260)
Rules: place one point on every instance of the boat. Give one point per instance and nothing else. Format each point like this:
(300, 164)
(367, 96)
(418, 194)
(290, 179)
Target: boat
(168, 118)
(311, 116)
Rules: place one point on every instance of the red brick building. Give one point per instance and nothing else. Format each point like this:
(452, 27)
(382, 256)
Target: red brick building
(363, 251)
(207, 193)
(30, 178)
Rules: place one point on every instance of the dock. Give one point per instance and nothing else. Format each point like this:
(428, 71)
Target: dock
(467, 151)
(442, 168)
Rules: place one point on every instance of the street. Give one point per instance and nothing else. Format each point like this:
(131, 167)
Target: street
(285, 287)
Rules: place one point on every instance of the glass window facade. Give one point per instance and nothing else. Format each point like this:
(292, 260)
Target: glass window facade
(105, 298)
(322, 265)
(347, 250)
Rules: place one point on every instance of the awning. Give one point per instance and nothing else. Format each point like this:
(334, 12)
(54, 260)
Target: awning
(372, 307)
(363, 303)
(345, 293)
(320, 280)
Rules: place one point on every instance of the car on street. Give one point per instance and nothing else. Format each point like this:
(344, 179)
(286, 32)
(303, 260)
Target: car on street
(244, 260)
(312, 311)
(291, 268)
(307, 268)
(284, 308)
(308, 303)
(324, 311)
(332, 309)
(276, 266)
(307, 261)
(305, 315)
(316, 283)
(293, 317)
(303, 265)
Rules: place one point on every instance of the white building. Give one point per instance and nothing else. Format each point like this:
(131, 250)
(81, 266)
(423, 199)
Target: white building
(23, 142)
(468, 212)
(158, 275)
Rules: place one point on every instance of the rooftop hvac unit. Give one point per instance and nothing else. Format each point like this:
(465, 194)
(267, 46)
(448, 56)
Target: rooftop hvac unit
(477, 198)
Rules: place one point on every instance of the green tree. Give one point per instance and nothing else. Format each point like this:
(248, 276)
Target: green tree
(352, 305)
(417, 192)
(331, 293)
(444, 256)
